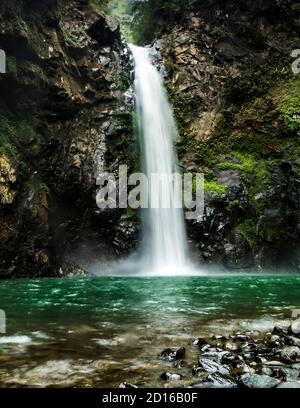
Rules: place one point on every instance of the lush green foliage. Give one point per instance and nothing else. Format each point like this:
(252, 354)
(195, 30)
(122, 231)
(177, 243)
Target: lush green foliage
(7, 132)
(141, 20)
(291, 113)
(123, 10)
(247, 231)
(214, 187)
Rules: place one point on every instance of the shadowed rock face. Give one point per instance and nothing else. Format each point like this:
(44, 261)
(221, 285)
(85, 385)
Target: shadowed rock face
(67, 70)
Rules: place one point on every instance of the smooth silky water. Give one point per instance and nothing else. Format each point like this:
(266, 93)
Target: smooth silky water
(102, 331)
(164, 238)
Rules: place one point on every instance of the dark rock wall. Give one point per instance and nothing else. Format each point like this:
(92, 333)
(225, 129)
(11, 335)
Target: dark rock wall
(63, 118)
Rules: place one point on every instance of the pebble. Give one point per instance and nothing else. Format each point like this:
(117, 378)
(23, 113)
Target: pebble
(171, 377)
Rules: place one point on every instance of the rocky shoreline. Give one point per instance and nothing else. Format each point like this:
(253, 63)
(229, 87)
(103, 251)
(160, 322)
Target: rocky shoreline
(240, 360)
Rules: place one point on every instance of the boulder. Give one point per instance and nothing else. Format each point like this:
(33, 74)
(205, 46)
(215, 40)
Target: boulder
(217, 380)
(295, 327)
(258, 381)
(290, 354)
(210, 366)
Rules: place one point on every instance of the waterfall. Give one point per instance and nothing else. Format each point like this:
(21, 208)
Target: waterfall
(164, 242)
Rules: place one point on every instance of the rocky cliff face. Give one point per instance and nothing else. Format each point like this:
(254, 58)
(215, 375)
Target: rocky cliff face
(63, 118)
(237, 105)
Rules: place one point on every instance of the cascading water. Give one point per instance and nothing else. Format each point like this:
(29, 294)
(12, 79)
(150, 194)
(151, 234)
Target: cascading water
(164, 232)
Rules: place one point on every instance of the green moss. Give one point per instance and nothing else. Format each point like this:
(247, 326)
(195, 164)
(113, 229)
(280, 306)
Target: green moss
(71, 37)
(247, 163)
(124, 82)
(122, 10)
(214, 187)
(247, 231)
(19, 137)
(100, 6)
(7, 133)
(291, 113)
(233, 205)
(262, 174)
(209, 175)
(270, 234)
(207, 153)
(260, 182)
(259, 123)
(254, 82)
(211, 186)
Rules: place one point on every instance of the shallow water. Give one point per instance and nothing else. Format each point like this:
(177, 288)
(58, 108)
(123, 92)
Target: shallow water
(101, 331)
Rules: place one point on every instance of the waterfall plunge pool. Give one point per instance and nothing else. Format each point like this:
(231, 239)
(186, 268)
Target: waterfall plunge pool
(99, 332)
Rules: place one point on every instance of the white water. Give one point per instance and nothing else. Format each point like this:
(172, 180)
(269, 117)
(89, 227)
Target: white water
(164, 230)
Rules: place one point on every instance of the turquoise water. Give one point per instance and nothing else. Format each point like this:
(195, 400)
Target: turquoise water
(102, 331)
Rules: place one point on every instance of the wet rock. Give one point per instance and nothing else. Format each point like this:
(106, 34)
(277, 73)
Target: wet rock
(127, 385)
(290, 354)
(214, 354)
(171, 355)
(166, 376)
(206, 347)
(250, 347)
(266, 371)
(242, 338)
(230, 178)
(200, 342)
(217, 380)
(180, 353)
(287, 374)
(259, 359)
(295, 327)
(218, 338)
(265, 351)
(258, 381)
(292, 341)
(241, 369)
(278, 331)
(277, 340)
(232, 359)
(71, 269)
(232, 346)
(289, 384)
(275, 364)
(210, 366)
(249, 356)
(166, 354)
